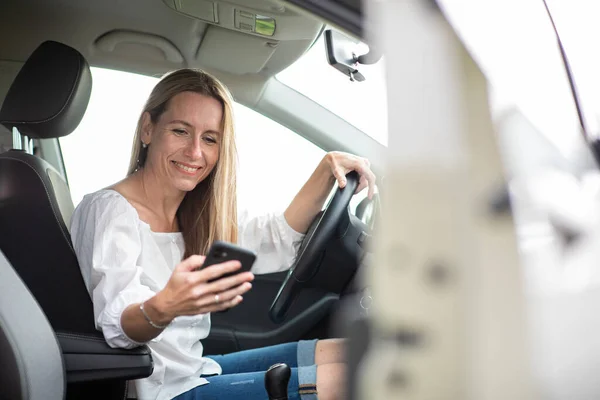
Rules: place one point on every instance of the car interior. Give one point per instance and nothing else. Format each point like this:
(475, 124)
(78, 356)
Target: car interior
(46, 51)
(491, 177)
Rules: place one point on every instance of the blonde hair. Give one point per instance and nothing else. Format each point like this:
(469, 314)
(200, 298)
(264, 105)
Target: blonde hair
(209, 211)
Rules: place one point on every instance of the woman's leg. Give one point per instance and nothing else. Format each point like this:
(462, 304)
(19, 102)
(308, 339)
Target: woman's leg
(296, 354)
(331, 381)
(331, 369)
(321, 368)
(247, 386)
(330, 351)
(303, 353)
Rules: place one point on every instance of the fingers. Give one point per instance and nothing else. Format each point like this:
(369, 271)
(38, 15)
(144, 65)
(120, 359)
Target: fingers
(191, 263)
(212, 306)
(231, 281)
(342, 163)
(335, 160)
(203, 289)
(226, 298)
(231, 303)
(217, 270)
(370, 176)
(224, 305)
(362, 183)
(367, 177)
(195, 295)
(340, 176)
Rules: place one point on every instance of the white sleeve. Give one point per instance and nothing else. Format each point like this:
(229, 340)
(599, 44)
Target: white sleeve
(107, 244)
(273, 240)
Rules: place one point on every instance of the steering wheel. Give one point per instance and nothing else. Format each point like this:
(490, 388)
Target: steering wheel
(320, 232)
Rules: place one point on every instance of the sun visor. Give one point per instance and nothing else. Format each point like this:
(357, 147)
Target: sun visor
(234, 52)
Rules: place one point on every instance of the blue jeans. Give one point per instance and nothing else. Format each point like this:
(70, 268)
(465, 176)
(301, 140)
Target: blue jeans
(243, 374)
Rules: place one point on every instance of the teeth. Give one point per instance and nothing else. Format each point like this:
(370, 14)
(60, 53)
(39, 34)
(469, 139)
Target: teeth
(185, 168)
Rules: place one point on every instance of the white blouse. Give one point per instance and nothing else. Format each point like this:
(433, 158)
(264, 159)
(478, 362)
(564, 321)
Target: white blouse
(123, 262)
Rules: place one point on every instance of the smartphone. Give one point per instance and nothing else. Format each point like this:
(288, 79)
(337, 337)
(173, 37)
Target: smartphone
(223, 251)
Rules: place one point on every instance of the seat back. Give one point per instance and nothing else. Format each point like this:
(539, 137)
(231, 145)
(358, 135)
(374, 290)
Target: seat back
(47, 100)
(32, 364)
(35, 238)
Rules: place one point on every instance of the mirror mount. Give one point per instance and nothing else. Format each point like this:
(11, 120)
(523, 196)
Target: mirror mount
(341, 54)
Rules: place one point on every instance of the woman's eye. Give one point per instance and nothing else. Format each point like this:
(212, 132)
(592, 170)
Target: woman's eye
(209, 139)
(179, 131)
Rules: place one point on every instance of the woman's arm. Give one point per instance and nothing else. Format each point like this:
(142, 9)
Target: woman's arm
(135, 325)
(186, 293)
(310, 199)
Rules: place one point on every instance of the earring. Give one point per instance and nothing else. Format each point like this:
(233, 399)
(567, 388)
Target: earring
(142, 156)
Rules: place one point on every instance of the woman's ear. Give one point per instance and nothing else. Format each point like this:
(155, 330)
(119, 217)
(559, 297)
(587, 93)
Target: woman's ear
(147, 127)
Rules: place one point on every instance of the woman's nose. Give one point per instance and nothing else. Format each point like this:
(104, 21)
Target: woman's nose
(194, 150)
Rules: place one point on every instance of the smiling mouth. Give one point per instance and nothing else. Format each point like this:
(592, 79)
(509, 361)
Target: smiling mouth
(191, 170)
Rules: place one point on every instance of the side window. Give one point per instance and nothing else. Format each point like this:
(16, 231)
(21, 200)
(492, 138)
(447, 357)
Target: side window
(274, 162)
(96, 154)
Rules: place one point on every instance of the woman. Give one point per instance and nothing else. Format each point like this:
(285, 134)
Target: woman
(139, 244)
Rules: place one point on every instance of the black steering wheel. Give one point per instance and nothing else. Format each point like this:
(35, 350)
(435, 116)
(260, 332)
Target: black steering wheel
(320, 232)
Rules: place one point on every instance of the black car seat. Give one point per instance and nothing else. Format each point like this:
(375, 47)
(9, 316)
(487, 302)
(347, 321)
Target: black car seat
(47, 99)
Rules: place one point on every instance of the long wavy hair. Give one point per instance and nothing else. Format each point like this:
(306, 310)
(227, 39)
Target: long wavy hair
(209, 211)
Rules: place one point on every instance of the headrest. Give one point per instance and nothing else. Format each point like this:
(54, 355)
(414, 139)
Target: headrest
(50, 94)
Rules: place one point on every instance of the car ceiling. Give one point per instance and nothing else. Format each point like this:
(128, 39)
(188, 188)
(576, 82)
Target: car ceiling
(151, 37)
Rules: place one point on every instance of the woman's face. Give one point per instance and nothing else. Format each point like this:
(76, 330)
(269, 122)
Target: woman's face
(183, 146)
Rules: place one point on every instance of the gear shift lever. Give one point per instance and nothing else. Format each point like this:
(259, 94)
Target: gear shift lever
(276, 381)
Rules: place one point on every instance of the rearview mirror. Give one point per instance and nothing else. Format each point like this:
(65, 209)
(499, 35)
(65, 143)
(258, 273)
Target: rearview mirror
(343, 53)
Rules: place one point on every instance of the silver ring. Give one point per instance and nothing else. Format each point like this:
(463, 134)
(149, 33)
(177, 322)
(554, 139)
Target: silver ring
(216, 298)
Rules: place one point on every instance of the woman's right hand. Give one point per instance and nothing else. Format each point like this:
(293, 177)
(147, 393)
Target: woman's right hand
(189, 292)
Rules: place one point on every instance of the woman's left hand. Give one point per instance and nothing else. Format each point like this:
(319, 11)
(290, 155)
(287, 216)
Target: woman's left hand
(310, 199)
(342, 163)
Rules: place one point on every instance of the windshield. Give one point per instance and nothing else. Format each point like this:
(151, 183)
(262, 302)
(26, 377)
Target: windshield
(362, 104)
(522, 64)
(576, 23)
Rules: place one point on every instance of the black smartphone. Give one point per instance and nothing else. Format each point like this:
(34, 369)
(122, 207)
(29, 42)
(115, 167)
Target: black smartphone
(223, 251)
